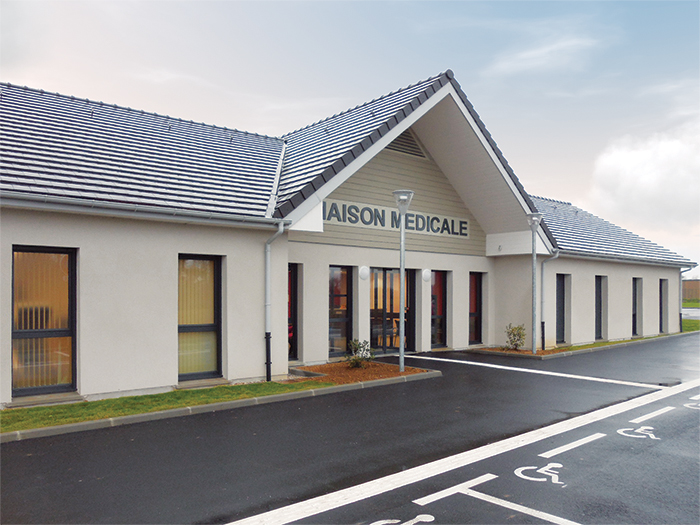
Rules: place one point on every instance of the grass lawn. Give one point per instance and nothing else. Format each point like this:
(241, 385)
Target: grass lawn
(691, 325)
(691, 303)
(13, 419)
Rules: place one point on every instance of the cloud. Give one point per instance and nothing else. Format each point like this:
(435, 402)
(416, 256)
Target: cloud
(564, 52)
(650, 185)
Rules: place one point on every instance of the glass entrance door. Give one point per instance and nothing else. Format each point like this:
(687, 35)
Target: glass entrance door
(385, 297)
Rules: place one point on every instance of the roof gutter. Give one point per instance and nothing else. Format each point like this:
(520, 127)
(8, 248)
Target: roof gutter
(11, 199)
(614, 258)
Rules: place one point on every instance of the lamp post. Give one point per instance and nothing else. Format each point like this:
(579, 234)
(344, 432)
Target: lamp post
(403, 201)
(534, 220)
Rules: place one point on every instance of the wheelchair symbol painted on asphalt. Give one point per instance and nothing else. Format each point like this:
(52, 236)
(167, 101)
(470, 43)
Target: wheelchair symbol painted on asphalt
(696, 406)
(548, 470)
(641, 432)
(421, 518)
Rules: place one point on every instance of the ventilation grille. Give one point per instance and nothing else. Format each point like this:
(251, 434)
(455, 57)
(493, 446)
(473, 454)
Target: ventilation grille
(406, 143)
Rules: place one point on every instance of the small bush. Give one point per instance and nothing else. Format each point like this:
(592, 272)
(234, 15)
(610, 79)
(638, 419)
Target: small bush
(516, 336)
(360, 354)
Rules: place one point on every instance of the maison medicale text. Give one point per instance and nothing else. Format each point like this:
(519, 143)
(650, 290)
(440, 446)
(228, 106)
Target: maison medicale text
(384, 218)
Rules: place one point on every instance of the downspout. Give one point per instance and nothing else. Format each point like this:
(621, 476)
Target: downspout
(268, 300)
(556, 254)
(680, 297)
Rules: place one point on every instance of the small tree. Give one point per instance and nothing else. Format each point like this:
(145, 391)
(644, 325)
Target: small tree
(516, 336)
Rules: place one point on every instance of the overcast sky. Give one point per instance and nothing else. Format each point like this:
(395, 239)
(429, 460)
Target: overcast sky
(595, 103)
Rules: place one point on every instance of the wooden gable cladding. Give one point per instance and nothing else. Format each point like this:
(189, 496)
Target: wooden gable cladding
(373, 185)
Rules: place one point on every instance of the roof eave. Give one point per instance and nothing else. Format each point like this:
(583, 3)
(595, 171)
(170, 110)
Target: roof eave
(19, 200)
(623, 259)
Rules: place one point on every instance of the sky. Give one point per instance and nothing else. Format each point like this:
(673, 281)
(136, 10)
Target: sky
(596, 103)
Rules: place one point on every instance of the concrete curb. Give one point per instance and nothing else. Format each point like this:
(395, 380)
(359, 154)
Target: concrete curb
(20, 435)
(621, 344)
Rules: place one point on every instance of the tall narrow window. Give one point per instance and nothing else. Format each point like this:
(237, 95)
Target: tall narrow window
(636, 306)
(43, 321)
(385, 310)
(601, 306)
(475, 307)
(292, 329)
(339, 309)
(438, 319)
(563, 307)
(199, 317)
(663, 306)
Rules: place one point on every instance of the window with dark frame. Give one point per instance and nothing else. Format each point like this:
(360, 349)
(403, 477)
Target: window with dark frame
(438, 313)
(43, 320)
(475, 307)
(292, 311)
(199, 317)
(339, 309)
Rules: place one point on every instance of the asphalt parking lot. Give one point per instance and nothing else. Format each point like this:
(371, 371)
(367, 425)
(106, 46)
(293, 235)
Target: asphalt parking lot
(252, 462)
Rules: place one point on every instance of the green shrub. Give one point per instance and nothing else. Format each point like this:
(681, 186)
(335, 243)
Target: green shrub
(360, 354)
(516, 336)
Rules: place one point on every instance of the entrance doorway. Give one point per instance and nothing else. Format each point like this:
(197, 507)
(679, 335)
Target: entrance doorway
(385, 296)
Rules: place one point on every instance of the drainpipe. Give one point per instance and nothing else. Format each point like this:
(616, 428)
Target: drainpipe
(556, 254)
(268, 300)
(680, 298)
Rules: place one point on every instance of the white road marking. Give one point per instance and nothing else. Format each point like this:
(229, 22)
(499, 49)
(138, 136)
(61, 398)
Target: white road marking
(653, 414)
(574, 444)
(333, 500)
(520, 508)
(454, 490)
(695, 398)
(465, 488)
(540, 372)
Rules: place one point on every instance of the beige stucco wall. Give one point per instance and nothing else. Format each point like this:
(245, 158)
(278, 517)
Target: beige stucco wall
(127, 281)
(619, 305)
(512, 283)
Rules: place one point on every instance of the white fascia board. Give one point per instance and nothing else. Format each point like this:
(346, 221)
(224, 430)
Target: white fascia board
(514, 243)
(314, 200)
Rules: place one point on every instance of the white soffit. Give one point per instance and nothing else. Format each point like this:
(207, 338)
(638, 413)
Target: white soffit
(457, 145)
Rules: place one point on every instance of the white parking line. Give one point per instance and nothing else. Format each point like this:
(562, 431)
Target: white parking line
(565, 448)
(695, 398)
(540, 372)
(465, 488)
(520, 508)
(653, 414)
(334, 500)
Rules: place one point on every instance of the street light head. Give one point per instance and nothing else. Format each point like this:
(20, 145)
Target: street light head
(403, 200)
(534, 219)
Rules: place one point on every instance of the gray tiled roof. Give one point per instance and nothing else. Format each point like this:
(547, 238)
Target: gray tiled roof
(578, 232)
(81, 150)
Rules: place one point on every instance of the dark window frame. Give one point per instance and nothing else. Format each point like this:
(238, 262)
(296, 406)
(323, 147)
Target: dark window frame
(434, 343)
(477, 337)
(410, 316)
(210, 327)
(71, 331)
(293, 311)
(348, 321)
